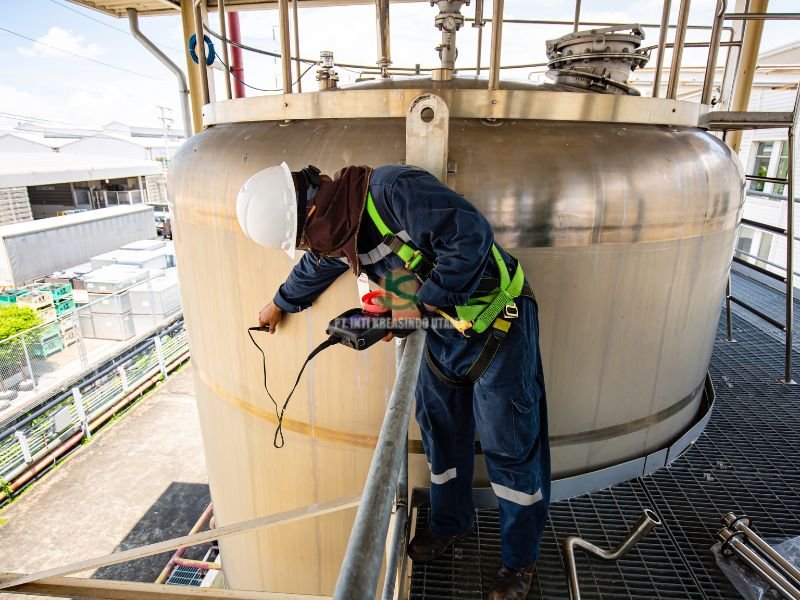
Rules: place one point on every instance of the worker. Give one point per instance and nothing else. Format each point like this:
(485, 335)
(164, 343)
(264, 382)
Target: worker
(483, 372)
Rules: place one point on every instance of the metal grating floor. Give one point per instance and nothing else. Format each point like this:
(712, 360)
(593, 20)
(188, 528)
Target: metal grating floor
(189, 576)
(747, 461)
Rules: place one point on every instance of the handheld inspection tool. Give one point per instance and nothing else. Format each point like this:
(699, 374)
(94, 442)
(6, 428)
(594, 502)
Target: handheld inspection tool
(357, 328)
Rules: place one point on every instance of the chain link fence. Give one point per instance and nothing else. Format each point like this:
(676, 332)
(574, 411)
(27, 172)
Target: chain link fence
(70, 417)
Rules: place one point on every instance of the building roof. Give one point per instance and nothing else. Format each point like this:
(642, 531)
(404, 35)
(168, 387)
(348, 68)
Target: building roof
(118, 8)
(27, 227)
(38, 168)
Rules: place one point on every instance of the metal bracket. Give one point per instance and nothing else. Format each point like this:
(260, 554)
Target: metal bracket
(427, 133)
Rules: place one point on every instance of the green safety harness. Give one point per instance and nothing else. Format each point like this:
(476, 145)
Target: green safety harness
(489, 308)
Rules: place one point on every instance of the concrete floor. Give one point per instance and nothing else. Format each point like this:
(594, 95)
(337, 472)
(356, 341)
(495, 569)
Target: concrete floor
(141, 480)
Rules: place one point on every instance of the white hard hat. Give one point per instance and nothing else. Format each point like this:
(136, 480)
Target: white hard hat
(267, 209)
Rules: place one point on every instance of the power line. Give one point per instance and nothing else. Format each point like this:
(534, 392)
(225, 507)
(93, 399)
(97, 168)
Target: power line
(109, 25)
(99, 62)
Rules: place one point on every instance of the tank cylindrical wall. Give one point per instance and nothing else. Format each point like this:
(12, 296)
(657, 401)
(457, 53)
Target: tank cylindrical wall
(625, 232)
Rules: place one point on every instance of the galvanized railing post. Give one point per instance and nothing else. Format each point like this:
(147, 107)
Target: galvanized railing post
(160, 355)
(123, 378)
(677, 50)
(662, 44)
(358, 577)
(31, 374)
(787, 375)
(23, 446)
(713, 52)
(77, 401)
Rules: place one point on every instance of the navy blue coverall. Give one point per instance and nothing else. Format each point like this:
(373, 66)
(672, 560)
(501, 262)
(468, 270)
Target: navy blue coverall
(507, 404)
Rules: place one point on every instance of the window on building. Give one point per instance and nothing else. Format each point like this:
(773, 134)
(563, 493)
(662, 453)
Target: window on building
(783, 169)
(745, 241)
(770, 159)
(761, 164)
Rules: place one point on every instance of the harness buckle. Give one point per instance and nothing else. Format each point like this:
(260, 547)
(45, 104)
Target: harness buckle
(510, 311)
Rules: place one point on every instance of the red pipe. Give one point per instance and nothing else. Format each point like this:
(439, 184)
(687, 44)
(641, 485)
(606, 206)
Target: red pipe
(177, 558)
(237, 65)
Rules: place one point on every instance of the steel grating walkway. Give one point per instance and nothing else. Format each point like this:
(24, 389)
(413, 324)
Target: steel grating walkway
(747, 461)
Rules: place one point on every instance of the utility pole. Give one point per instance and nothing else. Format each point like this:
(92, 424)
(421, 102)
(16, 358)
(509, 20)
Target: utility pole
(166, 120)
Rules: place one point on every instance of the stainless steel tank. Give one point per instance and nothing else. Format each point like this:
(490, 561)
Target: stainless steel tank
(621, 209)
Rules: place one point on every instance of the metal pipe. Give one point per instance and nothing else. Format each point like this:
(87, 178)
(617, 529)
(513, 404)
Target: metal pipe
(742, 524)
(223, 30)
(296, 27)
(384, 38)
(497, 41)
(677, 52)
(398, 544)
(286, 52)
(787, 376)
(594, 23)
(764, 226)
(662, 43)
(713, 52)
(745, 71)
(361, 567)
(762, 16)
(728, 316)
(237, 65)
(758, 313)
(732, 542)
(480, 23)
(577, 20)
(201, 522)
(200, 50)
(183, 88)
(647, 521)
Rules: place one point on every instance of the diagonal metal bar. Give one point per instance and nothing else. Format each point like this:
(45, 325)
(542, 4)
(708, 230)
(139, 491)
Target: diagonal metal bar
(104, 589)
(297, 514)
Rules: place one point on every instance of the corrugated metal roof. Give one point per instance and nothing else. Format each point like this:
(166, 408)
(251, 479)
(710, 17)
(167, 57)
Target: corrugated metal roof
(39, 168)
(15, 229)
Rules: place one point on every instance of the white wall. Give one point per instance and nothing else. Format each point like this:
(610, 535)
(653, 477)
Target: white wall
(12, 143)
(105, 146)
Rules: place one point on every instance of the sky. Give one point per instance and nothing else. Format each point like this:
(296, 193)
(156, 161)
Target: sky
(64, 65)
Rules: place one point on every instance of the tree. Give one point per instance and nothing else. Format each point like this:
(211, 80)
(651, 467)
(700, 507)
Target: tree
(15, 320)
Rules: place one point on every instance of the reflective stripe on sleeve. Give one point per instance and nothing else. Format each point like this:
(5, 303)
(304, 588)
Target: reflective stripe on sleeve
(516, 497)
(443, 477)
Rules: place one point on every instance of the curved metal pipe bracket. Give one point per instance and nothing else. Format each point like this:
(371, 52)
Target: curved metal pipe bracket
(647, 521)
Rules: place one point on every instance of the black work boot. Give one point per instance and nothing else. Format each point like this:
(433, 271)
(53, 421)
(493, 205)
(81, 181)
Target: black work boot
(511, 584)
(426, 546)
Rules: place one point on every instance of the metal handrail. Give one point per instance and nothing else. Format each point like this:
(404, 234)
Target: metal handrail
(788, 325)
(358, 577)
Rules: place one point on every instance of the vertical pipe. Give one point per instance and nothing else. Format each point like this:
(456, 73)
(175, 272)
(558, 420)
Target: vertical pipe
(479, 23)
(480, 45)
(296, 25)
(31, 374)
(237, 65)
(497, 41)
(728, 316)
(713, 52)
(662, 45)
(743, 82)
(183, 89)
(200, 50)
(677, 51)
(192, 70)
(224, 32)
(286, 58)
(787, 377)
(577, 21)
(384, 38)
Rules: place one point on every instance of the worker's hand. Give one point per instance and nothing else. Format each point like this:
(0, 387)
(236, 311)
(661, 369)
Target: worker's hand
(270, 316)
(410, 313)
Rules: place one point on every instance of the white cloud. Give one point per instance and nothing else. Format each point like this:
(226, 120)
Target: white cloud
(63, 39)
